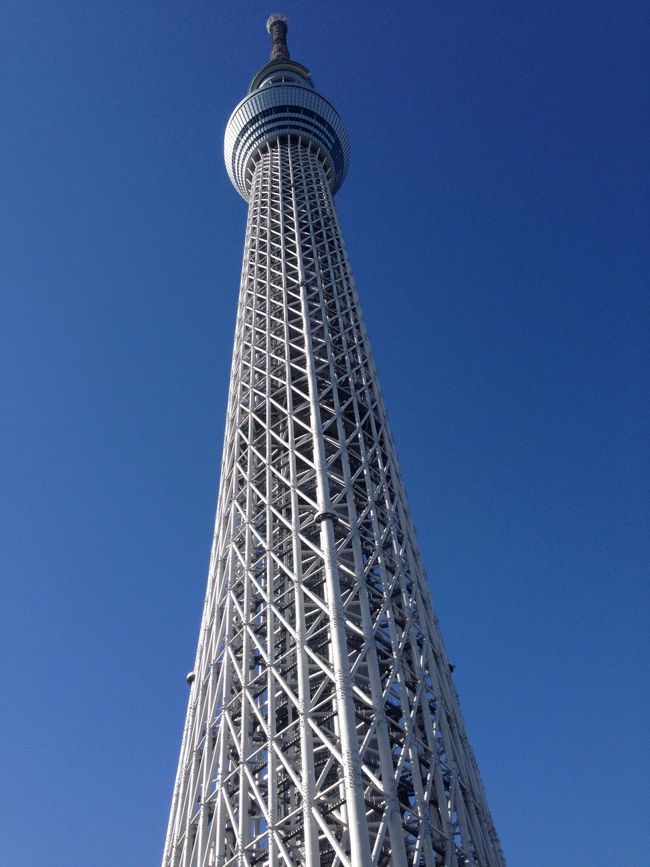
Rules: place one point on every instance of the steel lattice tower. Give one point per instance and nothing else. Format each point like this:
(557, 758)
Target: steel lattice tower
(323, 726)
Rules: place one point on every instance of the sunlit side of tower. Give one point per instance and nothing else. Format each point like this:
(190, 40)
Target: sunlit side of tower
(323, 727)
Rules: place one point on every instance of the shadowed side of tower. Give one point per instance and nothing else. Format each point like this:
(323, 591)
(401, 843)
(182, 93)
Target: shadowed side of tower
(323, 727)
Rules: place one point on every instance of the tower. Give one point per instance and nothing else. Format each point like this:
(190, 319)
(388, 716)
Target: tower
(323, 726)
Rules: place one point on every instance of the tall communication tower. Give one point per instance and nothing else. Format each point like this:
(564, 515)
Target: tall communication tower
(323, 726)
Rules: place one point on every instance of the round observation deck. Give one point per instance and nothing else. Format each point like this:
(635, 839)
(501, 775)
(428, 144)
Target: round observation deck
(282, 101)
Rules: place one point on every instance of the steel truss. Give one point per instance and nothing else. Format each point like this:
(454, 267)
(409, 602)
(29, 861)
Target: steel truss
(323, 726)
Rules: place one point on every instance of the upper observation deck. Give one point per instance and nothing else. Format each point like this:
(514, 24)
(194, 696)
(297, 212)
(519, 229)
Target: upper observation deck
(282, 101)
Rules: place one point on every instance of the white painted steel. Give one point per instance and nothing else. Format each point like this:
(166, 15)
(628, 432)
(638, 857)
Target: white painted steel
(323, 726)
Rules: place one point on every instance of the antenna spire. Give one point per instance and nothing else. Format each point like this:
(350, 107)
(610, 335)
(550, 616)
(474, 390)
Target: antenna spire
(277, 26)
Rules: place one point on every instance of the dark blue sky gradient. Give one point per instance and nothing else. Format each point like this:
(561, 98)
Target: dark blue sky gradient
(496, 216)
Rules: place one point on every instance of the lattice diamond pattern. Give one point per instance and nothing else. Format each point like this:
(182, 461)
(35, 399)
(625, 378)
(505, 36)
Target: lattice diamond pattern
(323, 727)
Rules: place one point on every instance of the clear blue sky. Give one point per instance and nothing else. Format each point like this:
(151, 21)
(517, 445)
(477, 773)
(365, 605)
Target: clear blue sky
(497, 222)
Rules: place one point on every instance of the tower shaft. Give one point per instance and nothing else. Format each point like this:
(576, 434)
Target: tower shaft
(323, 727)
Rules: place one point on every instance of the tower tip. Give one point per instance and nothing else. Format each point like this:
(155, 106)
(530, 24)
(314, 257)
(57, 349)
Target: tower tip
(274, 18)
(277, 27)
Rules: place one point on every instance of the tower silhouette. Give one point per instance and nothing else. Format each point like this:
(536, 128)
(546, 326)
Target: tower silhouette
(323, 727)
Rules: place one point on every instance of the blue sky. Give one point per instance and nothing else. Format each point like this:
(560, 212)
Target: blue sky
(497, 221)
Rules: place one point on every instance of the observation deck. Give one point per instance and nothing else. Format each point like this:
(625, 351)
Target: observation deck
(282, 101)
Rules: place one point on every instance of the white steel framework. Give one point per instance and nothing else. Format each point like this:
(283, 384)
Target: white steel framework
(323, 726)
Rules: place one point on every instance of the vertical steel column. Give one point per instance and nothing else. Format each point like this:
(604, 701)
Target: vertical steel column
(358, 832)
